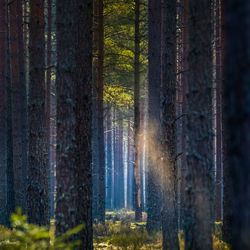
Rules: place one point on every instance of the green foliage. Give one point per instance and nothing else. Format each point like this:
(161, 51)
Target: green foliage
(124, 234)
(118, 96)
(31, 237)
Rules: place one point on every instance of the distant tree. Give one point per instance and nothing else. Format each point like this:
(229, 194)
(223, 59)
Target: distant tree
(37, 187)
(154, 88)
(237, 122)
(109, 158)
(74, 118)
(199, 177)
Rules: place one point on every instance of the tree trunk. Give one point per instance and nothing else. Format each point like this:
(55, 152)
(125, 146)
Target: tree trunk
(129, 169)
(48, 107)
(237, 120)
(74, 118)
(154, 85)
(184, 88)
(109, 160)
(219, 168)
(200, 175)
(95, 158)
(120, 160)
(137, 195)
(3, 111)
(19, 102)
(168, 129)
(101, 152)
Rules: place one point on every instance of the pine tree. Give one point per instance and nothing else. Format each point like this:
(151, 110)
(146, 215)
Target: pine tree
(74, 118)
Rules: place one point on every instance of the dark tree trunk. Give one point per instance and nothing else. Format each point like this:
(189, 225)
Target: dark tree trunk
(3, 111)
(219, 169)
(95, 158)
(237, 120)
(19, 102)
(37, 190)
(168, 116)
(101, 152)
(10, 192)
(109, 160)
(184, 88)
(74, 118)
(154, 85)
(48, 107)
(200, 174)
(137, 195)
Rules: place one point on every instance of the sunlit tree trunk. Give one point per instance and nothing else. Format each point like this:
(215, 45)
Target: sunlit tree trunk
(109, 159)
(237, 120)
(37, 190)
(129, 169)
(120, 161)
(153, 140)
(200, 175)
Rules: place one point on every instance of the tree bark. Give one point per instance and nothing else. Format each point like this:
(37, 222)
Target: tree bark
(168, 129)
(137, 195)
(199, 177)
(3, 111)
(154, 85)
(37, 190)
(219, 167)
(19, 102)
(101, 152)
(237, 121)
(74, 118)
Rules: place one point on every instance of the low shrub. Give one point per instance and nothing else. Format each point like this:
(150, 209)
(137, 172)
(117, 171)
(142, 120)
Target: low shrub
(25, 236)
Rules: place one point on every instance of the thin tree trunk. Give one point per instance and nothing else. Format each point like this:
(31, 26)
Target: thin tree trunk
(101, 152)
(219, 168)
(184, 68)
(168, 129)
(3, 111)
(109, 160)
(48, 107)
(121, 164)
(154, 85)
(129, 169)
(200, 175)
(237, 121)
(95, 158)
(74, 118)
(10, 192)
(138, 205)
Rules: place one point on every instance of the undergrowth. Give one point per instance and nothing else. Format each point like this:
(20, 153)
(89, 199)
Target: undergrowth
(25, 236)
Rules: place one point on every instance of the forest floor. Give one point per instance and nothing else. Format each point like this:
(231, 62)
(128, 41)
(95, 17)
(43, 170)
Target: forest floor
(122, 232)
